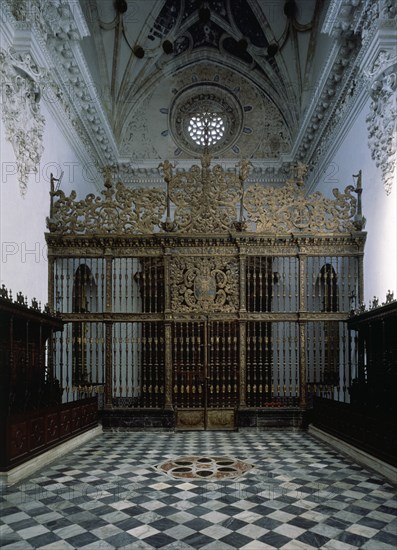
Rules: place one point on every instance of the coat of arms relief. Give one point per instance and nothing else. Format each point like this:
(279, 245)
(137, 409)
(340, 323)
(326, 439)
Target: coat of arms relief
(204, 284)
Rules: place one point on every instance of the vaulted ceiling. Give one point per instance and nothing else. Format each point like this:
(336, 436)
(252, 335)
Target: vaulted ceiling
(254, 63)
(140, 81)
(134, 82)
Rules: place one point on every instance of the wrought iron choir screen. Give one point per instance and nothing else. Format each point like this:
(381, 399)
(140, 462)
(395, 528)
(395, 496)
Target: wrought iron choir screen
(208, 301)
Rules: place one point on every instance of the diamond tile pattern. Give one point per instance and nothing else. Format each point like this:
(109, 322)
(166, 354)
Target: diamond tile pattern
(107, 494)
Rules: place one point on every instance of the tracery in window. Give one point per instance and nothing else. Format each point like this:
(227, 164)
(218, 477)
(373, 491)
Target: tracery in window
(206, 128)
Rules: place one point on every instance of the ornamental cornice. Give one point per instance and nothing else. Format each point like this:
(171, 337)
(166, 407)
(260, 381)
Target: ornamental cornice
(223, 245)
(344, 16)
(51, 31)
(145, 173)
(328, 123)
(63, 19)
(90, 120)
(329, 98)
(335, 130)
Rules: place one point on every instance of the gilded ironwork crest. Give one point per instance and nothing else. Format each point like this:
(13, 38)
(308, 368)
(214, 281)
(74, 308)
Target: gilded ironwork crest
(287, 210)
(120, 211)
(204, 284)
(205, 199)
(208, 200)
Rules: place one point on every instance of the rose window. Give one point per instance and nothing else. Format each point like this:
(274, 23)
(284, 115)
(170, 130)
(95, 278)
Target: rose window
(206, 128)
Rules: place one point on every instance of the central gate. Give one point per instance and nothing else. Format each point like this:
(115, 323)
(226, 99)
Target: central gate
(205, 363)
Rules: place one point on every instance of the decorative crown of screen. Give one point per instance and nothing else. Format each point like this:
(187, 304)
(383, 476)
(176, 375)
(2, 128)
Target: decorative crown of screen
(208, 200)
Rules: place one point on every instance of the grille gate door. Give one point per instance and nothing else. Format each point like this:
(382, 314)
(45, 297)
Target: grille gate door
(205, 374)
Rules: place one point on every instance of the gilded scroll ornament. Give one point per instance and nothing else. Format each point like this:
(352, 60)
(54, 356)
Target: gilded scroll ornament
(120, 211)
(204, 284)
(287, 210)
(207, 200)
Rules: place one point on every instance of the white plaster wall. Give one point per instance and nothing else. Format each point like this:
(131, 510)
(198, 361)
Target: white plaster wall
(380, 210)
(24, 265)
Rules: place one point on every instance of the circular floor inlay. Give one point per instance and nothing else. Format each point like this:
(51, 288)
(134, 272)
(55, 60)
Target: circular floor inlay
(204, 467)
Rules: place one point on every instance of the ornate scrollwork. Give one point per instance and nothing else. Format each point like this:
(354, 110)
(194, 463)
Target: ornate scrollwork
(382, 118)
(204, 284)
(121, 211)
(206, 200)
(20, 109)
(287, 210)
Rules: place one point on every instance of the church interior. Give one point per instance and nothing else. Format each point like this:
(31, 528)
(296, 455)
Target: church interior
(198, 274)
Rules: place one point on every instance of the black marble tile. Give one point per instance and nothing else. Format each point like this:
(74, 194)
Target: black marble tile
(235, 540)
(44, 539)
(121, 539)
(386, 538)
(313, 539)
(163, 524)
(197, 540)
(159, 540)
(82, 539)
(372, 522)
(134, 510)
(351, 538)
(197, 524)
(387, 510)
(274, 539)
(198, 510)
(165, 511)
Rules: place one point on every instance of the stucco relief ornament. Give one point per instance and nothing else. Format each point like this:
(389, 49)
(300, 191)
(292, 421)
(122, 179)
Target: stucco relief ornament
(382, 118)
(20, 109)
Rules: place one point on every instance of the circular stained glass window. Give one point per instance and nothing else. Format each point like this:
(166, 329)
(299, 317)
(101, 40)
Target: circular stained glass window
(206, 128)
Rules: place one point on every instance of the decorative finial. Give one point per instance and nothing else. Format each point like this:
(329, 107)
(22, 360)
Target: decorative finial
(359, 220)
(166, 168)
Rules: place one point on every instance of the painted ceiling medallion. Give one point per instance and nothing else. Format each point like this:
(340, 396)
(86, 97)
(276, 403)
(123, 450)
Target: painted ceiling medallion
(207, 112)
(204, 467)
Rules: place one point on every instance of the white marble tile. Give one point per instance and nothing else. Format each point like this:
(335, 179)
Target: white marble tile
(143, 531)
(288, 530)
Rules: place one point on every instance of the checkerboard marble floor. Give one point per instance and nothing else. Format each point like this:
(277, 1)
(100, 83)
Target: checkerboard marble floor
(301, 494)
